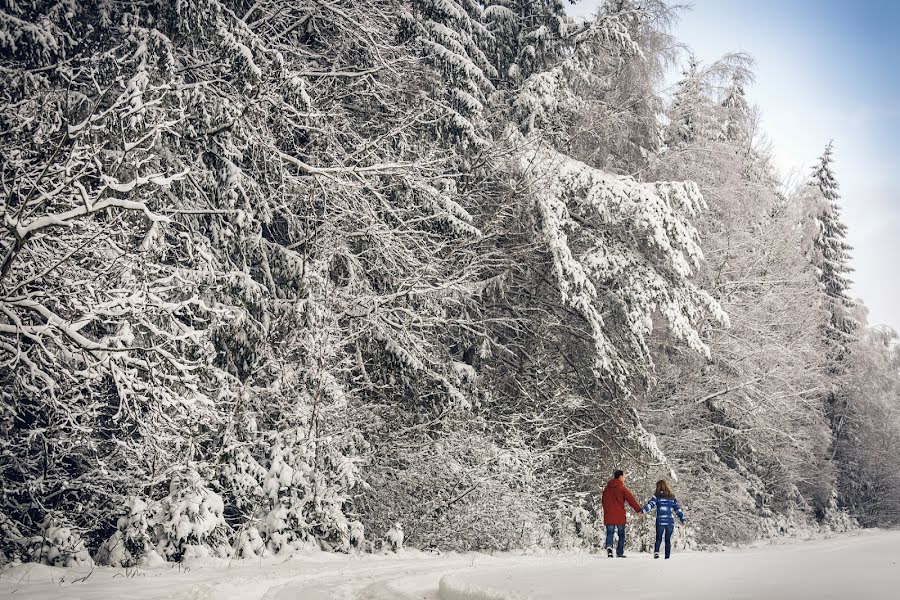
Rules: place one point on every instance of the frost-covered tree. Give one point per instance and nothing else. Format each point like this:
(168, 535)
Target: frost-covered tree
(869, 482)
(529, 36)
(217, 226)
(694, 116)
(831, 256)
(452, 35)
(619, 128)
(737, 122)
(691, 109)
(747, 422)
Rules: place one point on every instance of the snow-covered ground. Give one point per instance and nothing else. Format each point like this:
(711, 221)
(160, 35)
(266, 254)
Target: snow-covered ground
(853, 566)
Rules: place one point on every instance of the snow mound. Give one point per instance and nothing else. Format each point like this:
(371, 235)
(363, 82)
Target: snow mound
(24, 573)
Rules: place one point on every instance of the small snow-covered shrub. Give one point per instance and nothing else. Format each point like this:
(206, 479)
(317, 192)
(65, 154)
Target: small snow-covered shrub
(307, 499)
(393, 539)
(837, 520)
(357, 534)
(286, 530)
(131, 540)
(250, 544)
(574, 527)
(241, 479)
(59, 546)
(188, 522)
(295, 486)
(564, 530)
(580, 520)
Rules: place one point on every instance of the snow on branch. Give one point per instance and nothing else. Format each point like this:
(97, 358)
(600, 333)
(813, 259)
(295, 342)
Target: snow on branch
(601, 271)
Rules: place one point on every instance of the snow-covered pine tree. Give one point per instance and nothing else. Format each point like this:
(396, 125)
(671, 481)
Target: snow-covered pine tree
(831, 257)
(453, 38)
(691, 110)
(529, 36)
(736, 119)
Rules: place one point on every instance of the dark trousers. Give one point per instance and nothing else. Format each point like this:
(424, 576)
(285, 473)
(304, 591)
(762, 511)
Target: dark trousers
(610, 531)
(664, 530)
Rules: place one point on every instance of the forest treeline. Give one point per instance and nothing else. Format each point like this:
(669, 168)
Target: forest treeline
(282, 274)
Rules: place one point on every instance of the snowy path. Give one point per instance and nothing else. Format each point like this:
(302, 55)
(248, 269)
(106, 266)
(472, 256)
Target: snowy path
(861, 566)
(866, 566)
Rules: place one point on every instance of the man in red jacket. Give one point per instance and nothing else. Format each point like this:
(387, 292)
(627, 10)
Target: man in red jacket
(615, 495)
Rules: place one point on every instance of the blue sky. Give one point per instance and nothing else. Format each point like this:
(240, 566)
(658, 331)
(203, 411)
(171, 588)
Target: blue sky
(824, 69)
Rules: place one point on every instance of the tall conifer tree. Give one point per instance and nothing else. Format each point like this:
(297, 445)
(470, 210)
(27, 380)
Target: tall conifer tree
(736, 118)
(831, 256)
(690, 115)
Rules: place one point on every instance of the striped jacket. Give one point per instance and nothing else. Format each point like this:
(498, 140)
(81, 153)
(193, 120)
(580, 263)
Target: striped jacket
(666, 509)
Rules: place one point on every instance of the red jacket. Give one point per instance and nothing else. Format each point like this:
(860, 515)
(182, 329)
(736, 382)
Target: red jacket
(615, 495)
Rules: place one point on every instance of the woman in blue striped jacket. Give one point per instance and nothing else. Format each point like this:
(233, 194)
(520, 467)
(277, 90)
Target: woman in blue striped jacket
(666, 508)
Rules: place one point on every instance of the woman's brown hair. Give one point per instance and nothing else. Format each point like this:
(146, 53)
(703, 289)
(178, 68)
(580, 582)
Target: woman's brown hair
(663, 490)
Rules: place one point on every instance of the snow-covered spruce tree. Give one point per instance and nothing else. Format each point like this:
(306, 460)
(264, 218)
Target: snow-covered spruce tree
(529, 36)
(831, 256)
(694, 115)
(131, 541)
(691, 107)
(737, 117)
(189, 521)
(452, 36)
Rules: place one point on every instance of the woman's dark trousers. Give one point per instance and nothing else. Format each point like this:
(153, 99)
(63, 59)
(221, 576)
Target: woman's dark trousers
(664, 530)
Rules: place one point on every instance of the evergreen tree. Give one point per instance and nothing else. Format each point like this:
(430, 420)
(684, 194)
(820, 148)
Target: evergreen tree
(736, 113)
(695, 116)
(831, 256)
(530, 35)
(452, 36)
(690, 117)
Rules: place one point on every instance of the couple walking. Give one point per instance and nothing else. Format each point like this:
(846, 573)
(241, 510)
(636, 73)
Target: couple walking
(615, 495)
